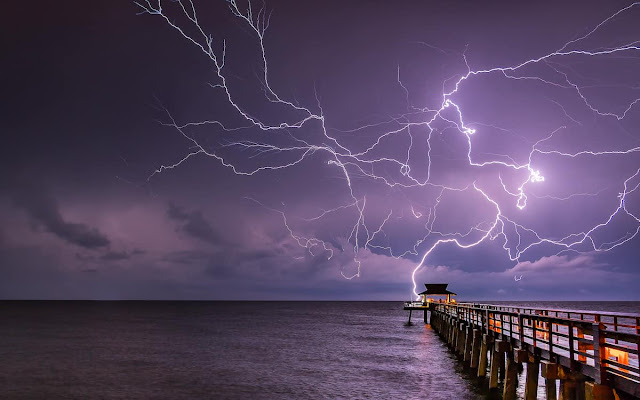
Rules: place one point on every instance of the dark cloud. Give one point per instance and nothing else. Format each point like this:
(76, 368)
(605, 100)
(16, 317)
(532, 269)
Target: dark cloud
(84, 257)
(121, 255)
(188, 257)
(116, 256)
(42, 207)
(193, 224)
(110, 255)
(216, 265)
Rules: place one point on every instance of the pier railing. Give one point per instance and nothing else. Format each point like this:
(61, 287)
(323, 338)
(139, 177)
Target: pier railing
(603, 346)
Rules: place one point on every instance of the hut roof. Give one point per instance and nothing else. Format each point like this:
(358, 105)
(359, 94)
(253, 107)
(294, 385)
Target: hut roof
(436, 289)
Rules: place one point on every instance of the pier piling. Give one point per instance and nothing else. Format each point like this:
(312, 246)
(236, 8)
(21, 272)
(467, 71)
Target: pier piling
(550, 374)
(502, 346)
(594, 391)
(475, 348)
(451, 333)
(497, 358)
(572, 384)
(461, 339)
(550, 389)
(511, 378)
(531, 383)
(467, 345)
(482, 363)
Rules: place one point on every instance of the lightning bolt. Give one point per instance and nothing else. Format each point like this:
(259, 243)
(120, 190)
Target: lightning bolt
(371, 162)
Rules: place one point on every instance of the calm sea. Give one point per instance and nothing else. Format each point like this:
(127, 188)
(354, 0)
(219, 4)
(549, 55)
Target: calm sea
(230, 350)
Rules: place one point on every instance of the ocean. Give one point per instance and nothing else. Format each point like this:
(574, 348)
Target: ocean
(232, 350)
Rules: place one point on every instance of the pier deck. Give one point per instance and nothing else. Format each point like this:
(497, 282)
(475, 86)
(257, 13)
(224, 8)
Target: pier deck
(416, 305)
(600, 347)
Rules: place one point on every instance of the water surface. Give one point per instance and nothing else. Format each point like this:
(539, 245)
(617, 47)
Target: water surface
(225, 350)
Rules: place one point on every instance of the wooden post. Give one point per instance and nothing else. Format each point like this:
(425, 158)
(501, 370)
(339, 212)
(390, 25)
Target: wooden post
(581, 345)
(594, 391)
(454, 337)
(451, 334)
(467, 345)
(482, 362)
(568, 389)
(511, 379)
(521, 329)
(550, 335)
(501, 366)
(461, 339)
(445, 331)
(475, 348)
(599, 352)
(531, 385)
(410, 316)
(571, 346)
(455, 332)
(550, 389)
(445, 326)
(493, 373)
(571, 384)
(497, 359)
(550, 374)
(448, 327)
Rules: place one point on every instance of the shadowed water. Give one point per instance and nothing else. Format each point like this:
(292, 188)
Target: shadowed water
(224, 350)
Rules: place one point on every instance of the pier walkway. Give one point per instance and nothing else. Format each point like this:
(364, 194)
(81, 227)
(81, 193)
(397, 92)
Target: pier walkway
(592, 354)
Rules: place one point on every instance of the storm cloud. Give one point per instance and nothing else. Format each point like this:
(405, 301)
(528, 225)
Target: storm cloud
(85, 124)
(194, 224)
(43, 209)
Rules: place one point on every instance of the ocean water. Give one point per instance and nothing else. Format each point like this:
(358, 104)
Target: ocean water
(229, 350)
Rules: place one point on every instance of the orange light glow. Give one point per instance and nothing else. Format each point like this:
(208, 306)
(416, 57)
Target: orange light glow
(617, 355)
(541, 330)
(495, 325)
(620, 356)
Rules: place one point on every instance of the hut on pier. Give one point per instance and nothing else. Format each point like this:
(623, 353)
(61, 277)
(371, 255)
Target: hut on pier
(437, 293)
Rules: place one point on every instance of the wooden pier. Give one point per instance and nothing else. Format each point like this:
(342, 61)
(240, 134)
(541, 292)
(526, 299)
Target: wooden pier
(593, 355)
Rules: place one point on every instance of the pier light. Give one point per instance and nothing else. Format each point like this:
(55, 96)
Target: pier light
(619, 356)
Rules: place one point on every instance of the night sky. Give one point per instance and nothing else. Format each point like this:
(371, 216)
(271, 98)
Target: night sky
(334, 175)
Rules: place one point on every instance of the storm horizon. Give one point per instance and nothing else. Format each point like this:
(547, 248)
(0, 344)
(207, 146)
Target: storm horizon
(321, 151)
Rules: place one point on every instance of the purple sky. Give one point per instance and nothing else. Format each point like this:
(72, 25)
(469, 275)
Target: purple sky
(367, 171)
